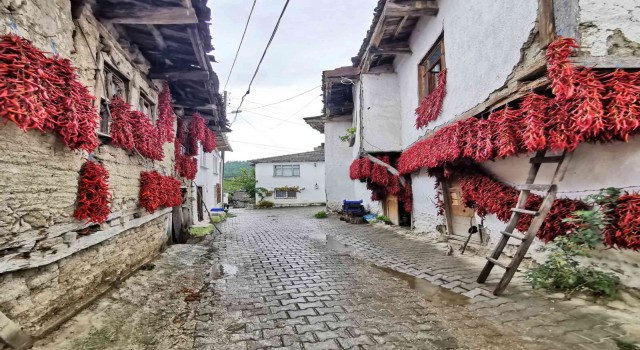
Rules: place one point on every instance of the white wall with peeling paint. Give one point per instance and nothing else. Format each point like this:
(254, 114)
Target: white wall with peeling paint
(600, 20)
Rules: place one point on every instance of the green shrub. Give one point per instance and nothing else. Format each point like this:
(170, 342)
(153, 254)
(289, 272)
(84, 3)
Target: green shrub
(320, 215)
(384, 219)
(201, 231)
(265, 204)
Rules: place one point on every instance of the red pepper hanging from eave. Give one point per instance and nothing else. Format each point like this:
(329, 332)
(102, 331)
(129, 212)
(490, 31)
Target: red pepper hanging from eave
(431, 105)
(93, 193)
(146, 137)
(209, 142)
(165, 114)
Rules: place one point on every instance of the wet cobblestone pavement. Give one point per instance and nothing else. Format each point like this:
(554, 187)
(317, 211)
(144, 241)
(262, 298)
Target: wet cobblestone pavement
(287, 280)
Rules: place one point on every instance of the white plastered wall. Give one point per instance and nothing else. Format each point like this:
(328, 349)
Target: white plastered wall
(601, 21)
(208, 176)
(482, 46)
(311, 183)
(338, 158)
(380, 109)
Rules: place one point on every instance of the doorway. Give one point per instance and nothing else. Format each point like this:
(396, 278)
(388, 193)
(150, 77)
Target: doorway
(462, 217)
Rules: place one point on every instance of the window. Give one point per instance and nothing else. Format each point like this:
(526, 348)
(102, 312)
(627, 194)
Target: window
(115, 84)
(215, 165)
(285, 194)
(431, 65)
(204, 161)
(146, 106)
(286, 170)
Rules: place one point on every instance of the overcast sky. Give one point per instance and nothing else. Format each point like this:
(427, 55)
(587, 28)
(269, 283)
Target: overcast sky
(314, 35)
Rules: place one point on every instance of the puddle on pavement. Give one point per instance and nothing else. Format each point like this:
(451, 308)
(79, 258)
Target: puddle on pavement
(429, 290)
(228, 269)
(335, 245)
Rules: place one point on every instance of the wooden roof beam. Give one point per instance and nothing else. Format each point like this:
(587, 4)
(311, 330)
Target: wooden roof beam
(391, 49)
(412, 8)
(199, 75)
(151, 15)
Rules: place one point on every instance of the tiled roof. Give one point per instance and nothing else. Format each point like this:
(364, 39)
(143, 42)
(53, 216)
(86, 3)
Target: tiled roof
(314, 156)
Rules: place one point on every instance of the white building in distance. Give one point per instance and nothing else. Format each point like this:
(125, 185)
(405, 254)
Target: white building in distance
(293, 179)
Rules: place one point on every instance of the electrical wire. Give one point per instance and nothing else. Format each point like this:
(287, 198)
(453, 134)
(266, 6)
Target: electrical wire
(296, 113)
(285, 100)
(239, 45)
(273, 34)
(268, 116)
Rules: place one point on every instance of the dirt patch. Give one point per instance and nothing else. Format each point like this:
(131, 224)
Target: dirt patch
(153, 309)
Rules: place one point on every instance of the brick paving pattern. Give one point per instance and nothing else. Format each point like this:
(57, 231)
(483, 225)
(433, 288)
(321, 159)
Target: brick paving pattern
(284, 279)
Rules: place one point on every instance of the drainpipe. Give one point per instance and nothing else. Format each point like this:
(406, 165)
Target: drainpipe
(12, 335)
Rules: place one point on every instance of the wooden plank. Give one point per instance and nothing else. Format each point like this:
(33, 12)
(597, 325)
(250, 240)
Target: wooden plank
(411, 8)
(391, 169)
(41, 258)
(525, 211)
(534, 187)
(533, 71)
(198, 47)
(197, 75)
(380, 51)
(446, 197)
(513, 235)
(566, 14)
(499, 263)
(607, 62)
(549, 159)
(399, 27)
(148, 15)
(546, 22)
(157, 37)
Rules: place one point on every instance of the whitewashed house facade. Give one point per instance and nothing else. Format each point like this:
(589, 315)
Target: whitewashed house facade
(494, 54)
(292, 180)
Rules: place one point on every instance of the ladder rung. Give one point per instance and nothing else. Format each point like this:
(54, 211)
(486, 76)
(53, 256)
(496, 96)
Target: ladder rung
(513, 235)
(550, 159)
(525, 211)
(534, 187)
(496, 262)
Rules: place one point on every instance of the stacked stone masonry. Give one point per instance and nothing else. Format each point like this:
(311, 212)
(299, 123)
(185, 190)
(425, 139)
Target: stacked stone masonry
(39, 180)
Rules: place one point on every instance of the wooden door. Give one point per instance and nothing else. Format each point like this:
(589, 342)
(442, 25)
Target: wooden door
(391, 209)
(462, 217)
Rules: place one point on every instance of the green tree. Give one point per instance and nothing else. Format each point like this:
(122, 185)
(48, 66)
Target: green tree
(245, 181)
(233, 168)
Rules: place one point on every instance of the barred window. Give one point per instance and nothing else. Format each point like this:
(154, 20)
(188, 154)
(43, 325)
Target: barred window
(285, 194)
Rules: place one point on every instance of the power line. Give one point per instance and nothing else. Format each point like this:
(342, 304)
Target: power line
(240, 45)
(296, 113)
(285, 100)
(278, 119)
(273, 34)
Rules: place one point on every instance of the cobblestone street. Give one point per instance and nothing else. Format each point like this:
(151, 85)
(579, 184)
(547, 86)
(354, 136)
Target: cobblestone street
(287, 280)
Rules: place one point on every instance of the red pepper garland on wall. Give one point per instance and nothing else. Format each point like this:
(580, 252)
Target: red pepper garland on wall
(380, 181)
(431, 105)
(44, 93)
(158, 191)
(93, 193)
(165, 114)
(591, 108)
(121, 128)
(624, 228)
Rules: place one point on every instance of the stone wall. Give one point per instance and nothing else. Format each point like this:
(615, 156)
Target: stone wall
(35, 298)
(46, 267)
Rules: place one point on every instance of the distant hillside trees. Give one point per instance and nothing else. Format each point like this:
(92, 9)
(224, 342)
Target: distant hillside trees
(233, 169)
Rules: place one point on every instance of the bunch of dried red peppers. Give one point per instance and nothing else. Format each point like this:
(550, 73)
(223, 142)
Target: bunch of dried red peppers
(185, 164)
(380, 181)
(93, 193)
(157, 190)
(44, 94)
(430, 106)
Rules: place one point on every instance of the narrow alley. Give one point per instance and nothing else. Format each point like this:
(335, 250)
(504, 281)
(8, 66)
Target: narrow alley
(282, 279)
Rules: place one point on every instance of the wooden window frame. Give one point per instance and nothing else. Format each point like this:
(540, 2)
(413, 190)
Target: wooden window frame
(427, 76)
(152, 106)
(108, 73)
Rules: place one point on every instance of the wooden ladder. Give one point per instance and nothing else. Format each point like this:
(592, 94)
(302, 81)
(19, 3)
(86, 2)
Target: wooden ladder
(538, 217)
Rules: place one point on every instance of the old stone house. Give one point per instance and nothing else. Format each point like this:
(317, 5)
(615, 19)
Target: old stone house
(487, 57)
(52, 264)
(291, 180)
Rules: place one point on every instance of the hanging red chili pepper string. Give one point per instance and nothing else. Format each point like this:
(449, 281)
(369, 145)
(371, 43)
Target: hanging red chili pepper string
(121, 128)
(146, 137)
(93, 193)
(624, 228)
(165, 114)
(44, 93)
(431, 105)
(209, 142)
(158, 191)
